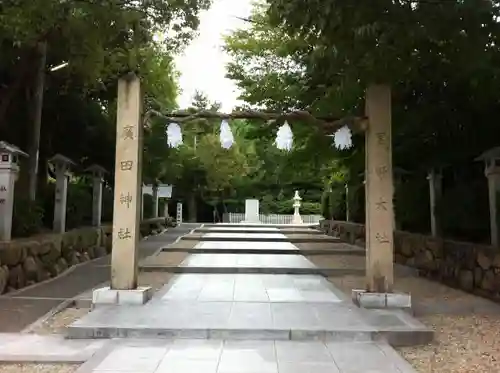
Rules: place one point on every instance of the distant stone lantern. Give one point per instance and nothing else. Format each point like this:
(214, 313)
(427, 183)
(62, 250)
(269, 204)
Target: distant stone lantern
(62, 166)
(98, 173)
(9, 172)
(491, 159)
(297, 219)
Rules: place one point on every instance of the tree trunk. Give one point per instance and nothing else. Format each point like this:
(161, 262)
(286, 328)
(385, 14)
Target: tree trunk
(34, 148)
(192, 211)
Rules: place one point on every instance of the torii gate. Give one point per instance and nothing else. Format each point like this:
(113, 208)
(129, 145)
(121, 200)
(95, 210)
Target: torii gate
(127, 190)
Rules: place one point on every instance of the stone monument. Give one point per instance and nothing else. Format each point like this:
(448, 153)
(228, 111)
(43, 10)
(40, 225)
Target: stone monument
(252, 211)
(179, 213)
(127, 200)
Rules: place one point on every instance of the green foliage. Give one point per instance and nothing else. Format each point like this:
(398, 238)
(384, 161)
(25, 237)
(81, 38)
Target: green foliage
(27, 218)
(320, 56)
(79, 206)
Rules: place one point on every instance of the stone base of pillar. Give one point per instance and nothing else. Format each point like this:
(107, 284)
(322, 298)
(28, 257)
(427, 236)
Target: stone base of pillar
(365, 299)
(107, 296)
(297, 219)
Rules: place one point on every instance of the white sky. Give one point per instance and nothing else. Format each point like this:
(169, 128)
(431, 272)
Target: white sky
(203, 64)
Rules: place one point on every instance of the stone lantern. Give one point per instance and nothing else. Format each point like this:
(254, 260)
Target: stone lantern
(9, 171)
(62, 166)
(297, 219)
(98, 173)
(491, 159)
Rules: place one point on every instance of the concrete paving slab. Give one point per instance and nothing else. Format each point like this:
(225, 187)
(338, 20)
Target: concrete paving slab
(244, 236)
(46, 348)
(243, 307)
(248, 288)
(250, 356)
(247, 260)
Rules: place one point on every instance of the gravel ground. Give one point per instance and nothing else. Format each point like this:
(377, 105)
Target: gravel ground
(465, 342)
(38, 368)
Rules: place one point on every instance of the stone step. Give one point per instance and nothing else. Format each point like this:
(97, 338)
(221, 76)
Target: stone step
(389, 329)
(291, 238)
(257, 250)
(326, 272)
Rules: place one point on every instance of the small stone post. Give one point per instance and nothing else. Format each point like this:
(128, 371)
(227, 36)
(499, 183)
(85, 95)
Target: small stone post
(297, 219)
(62, 166)
(155, 200)
(435, 191)
(97, 181)
(379, 191)
(179, 213)
(9, 170)
(491, 159)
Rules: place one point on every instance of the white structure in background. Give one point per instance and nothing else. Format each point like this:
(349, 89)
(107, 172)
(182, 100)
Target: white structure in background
(9, 170)
(252, 211)
(236, 217)
(179, 213)
(296, 206)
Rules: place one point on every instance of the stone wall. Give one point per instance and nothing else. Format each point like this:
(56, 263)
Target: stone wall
(26, 261)
(471, 267)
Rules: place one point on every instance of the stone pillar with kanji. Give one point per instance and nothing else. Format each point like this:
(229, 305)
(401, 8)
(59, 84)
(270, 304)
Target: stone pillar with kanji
(97, 173)
(127, 200)
(62, 167)
(379, 190)
(179, 213)
(9, 171)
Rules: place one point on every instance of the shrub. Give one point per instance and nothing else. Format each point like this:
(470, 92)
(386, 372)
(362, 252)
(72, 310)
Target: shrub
(27, 218)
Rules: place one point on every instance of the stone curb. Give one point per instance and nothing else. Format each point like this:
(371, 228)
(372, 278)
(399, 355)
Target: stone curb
(399, 338)
(312, 239)
(326, 272)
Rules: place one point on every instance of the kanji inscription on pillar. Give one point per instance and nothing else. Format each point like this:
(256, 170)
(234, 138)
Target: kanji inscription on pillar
(126, 213)
(379, 190)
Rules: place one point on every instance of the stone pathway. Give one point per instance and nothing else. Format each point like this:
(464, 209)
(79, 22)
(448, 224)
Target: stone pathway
(249, 356)
(233, 322)
(22, 308)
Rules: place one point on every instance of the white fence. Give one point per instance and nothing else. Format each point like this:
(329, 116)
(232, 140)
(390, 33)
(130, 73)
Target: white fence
(272, 219)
